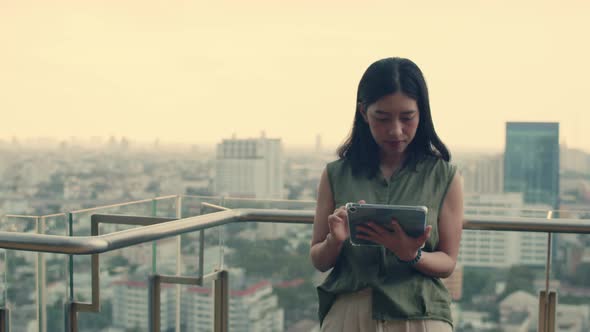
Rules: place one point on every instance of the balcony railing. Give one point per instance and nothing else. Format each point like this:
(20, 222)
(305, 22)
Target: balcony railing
(67, 248)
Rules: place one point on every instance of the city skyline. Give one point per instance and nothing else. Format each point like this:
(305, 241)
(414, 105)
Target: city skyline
(199, 72)
(309, 146)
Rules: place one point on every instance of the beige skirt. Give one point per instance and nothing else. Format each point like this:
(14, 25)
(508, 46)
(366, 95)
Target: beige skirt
(352, 313)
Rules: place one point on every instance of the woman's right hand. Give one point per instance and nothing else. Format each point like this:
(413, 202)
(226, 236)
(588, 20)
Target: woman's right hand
(338, 223)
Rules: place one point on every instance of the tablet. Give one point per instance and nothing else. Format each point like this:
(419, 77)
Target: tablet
(411, 218)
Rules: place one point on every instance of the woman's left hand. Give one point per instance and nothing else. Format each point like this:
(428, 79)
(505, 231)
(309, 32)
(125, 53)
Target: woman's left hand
(403, 246)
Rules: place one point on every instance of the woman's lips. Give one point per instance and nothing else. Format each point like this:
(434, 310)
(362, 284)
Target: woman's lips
(394, 144)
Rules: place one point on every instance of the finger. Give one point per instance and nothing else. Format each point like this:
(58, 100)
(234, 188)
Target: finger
(426, 235)
(396, 227)
(341, 212)
(365, 236)
(427, 232)
(377, 228)
(366, 230)
(362, 201)
(333, 219)
(372, 238)
(362, 236)
(338, 210)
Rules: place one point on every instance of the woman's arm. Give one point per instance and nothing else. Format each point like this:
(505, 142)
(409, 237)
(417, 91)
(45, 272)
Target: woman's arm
(442, 263)
(325, 247)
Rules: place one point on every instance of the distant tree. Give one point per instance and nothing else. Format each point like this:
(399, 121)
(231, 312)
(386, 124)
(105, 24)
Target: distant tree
(294, 192)
(90, 321)
(299, 302)
(153, 187)
(198, 191)
(55, 316)
(479, 282)
(582, 275)
(270, 259)
(117, 261)
(519, 277)
(133, 329)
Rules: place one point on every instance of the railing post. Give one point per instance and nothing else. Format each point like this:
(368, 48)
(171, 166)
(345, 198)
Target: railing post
(71, 317)
(547, 311)
(43, 279)
(154, 243)
(552, 311)
(547, 298)
(542, 324)
(221, 302)
(178, 264)
(40, 279)
(154, 303)
(71, 257)
(4, 320)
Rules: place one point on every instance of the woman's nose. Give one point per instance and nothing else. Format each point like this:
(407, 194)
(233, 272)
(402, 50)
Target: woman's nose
(395, 129)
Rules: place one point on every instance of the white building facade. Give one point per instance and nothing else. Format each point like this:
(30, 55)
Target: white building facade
(249, 168)
(480, 248)
(484, 176)
(254, 309)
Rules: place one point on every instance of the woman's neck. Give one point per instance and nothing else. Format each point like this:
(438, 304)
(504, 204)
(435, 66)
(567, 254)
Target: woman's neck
(391, 163)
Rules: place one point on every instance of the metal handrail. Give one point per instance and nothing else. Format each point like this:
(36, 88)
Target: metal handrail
(85, 245)
(154, 228)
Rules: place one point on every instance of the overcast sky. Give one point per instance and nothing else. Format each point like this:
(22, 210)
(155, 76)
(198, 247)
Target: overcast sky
(200, 71)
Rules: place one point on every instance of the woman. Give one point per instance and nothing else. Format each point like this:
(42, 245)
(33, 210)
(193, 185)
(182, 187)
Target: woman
(392, 156)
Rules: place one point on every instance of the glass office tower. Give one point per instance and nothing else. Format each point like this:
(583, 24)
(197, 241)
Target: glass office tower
(531, 161)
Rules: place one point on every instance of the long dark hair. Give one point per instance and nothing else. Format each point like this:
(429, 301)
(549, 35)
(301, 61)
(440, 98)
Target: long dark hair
(384, 77)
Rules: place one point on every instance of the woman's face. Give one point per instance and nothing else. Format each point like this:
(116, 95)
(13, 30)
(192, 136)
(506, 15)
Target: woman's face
(393, 121)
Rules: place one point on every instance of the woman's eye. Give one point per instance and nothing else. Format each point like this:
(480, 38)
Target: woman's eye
(407, 119)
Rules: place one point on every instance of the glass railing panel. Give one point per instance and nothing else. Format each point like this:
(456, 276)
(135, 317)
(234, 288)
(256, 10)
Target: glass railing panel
(191, 242)
(506, 212)
(250, 203)
(498, 279)
(499, 275)
(189, 307)
(270, 262)
(167, 250)
(123, 277)
(193, 205)
(81, 226)
(19, 273)
(196, 313)
(156, 207)
(53, 273)
(570, 275)
(128, 266)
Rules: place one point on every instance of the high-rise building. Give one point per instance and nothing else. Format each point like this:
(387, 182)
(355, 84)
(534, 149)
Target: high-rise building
(574, 160)
(249, 168)
(481, 248)
(318, 143)
(130, 308)
(531, 161)
(484, 176)
(255, 308)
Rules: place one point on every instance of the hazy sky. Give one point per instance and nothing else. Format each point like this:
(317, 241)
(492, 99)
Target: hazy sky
(200, 71)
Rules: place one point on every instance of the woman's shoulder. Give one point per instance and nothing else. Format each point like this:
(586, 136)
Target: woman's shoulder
(337, 165)
(436, 164)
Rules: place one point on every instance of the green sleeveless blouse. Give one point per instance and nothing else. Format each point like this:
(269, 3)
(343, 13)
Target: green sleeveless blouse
(399, 292)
